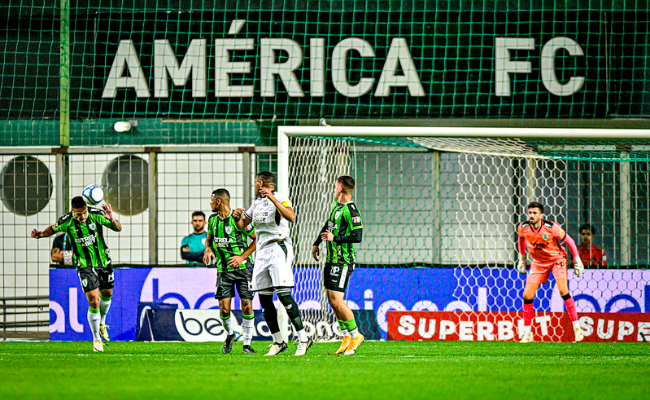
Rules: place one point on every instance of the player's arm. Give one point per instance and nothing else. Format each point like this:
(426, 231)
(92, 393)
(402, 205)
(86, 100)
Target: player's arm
(49, 231)
(284, 208)
(315, 251)
(115, 225)
(564, 237)
(353, 218)
(242, 217)
(236, 261)
(521, 246)
(208, 254)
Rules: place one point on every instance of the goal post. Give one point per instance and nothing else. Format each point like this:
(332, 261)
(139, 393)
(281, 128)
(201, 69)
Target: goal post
(441, 206)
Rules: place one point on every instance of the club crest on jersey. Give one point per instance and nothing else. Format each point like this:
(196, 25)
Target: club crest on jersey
(337, 215)
(92, 226)
(545, 237)
(228, 230)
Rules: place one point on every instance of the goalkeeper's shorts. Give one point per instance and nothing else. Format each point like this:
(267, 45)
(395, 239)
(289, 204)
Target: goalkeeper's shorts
(539, 271)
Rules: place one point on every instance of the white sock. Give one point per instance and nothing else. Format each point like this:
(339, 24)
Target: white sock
(93, 321)
(344, 332)
(354, 332)
(227, 325)
(104, 306)
(302, 335)
(277, 337)
(576, 324)
(247, 327)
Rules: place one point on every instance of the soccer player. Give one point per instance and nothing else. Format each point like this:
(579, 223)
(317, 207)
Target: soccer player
(270, 214)
(193, 245)
(226, 244)
(343, 228)
(591, 254)
(544, 242)
(92, 258)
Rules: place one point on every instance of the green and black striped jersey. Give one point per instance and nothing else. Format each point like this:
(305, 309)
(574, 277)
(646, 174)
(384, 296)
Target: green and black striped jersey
(344, 218)
(228, 241)
(87, 238)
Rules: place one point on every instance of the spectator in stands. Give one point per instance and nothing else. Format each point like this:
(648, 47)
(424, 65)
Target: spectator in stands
(62, 250)
(590, 254)
(193, 245)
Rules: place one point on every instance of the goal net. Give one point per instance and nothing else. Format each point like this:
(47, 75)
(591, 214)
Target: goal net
(441, 207)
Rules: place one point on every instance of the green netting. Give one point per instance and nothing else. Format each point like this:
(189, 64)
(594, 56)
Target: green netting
(206, 59)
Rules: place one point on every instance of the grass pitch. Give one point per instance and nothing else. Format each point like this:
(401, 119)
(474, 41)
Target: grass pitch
(381, 370)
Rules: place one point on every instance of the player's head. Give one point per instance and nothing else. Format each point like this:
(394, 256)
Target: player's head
(344, 185)
(587, 233)
(264, 179)
(219, 198)
(198, 221)
(535, 212)
(79, 208)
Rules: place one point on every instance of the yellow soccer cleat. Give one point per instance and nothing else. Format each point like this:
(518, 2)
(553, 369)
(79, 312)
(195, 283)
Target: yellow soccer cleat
(103, 332)
(344, 344)
(98, 346)
(579, 335)
(528, 338)
(354, 344)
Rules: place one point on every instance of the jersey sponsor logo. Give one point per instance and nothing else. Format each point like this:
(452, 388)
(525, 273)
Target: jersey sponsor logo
(335, 270)
(87, 240)
(356, 220)
(260, 217)
(548, 224)
(561, 232)
(539, 246)
(331, 226)
(223, 242)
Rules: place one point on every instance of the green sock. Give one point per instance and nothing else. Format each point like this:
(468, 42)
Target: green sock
(344, 328)
(351, 325)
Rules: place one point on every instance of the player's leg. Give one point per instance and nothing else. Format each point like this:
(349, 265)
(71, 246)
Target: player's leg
(282, 275)
(336, 282)
(106, 283)
(560, 274)
(538, 275)
(271, 318)
(224, 293)
(246, 295)
(90, 286)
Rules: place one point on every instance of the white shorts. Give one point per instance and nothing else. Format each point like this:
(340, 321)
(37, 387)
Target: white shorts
(273, 266)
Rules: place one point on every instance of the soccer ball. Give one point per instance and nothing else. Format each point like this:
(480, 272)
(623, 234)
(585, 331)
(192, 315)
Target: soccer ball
(93, 194)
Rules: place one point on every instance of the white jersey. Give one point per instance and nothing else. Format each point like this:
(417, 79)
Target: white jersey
(265, 217)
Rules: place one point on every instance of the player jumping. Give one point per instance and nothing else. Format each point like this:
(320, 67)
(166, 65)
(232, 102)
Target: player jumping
(544, 241)
(91, 254)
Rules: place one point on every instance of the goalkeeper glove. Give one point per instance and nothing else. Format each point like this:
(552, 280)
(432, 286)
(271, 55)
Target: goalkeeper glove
(578, 268)
(521, 266)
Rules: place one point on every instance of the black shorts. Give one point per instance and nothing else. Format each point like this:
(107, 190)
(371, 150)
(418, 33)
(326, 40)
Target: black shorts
(226, 282)
(337, 276)
(92, 278)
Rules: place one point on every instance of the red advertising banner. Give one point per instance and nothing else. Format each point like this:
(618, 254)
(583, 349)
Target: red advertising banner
(505, 326)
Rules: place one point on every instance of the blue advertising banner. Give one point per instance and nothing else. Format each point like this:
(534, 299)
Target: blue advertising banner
(377, 289)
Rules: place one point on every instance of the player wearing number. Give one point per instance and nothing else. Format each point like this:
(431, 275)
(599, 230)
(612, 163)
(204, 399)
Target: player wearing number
(92, 258)
(226, 245)
(342, 229)
(270, 214)
(544, 242)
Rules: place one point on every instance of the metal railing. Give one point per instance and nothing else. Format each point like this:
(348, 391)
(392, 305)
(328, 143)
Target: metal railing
(31, 305)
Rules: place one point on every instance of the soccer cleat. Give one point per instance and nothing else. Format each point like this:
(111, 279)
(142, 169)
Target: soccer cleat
(98, 346)
(103, 332)
(303, 347)
(277, 348)
(528, 338)
(354, 344)
(249, 350)
(579, 335)
(227, 345)
(344, 344)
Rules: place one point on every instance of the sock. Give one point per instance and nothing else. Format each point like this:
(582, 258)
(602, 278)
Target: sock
(227, 325)
(302, 336)
(247, 327)
(270, 315)
(344, 328)
(93, 321)
(528, 312)
(571, 308)
(352, 328)
(104, 306)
